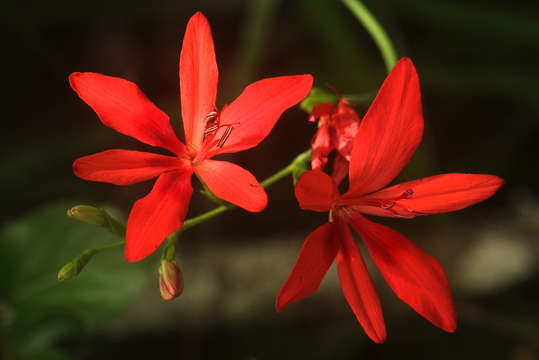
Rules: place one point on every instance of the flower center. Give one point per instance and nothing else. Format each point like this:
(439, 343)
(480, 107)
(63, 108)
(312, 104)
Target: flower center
(215, 135)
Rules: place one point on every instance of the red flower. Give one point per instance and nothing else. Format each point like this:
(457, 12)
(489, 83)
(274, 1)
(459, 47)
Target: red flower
(337, 129)
(121, 105)
(388, 136)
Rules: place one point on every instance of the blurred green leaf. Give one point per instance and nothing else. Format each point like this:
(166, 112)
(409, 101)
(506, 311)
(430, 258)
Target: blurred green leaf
(43, 310)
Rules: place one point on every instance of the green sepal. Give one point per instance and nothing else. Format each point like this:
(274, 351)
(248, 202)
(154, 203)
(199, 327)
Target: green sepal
(317, 96)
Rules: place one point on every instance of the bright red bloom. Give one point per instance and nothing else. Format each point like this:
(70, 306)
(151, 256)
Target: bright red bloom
(388, 136)
(244, 123)
(337, 129)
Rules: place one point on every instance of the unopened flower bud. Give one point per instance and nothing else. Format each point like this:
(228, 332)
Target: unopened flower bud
(170, 280)
(74, 267)
(96, 216)
(88, 214)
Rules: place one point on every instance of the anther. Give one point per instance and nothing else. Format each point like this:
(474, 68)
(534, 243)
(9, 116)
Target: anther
(211, 116)
(210, 129)
(224, 137)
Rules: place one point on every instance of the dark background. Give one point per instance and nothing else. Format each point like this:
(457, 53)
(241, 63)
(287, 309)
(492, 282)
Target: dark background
(477, 63)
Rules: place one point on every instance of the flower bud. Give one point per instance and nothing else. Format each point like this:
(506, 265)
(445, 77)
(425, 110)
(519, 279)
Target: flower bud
(88, 214)
(98, 217)
(74, 267)
(170, 280)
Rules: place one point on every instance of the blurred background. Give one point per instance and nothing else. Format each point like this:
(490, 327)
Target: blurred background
(477, 63)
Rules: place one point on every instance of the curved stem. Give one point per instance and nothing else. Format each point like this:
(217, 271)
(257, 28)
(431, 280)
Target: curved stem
(376, 31)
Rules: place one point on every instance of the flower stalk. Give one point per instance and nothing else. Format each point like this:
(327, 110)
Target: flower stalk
(377, 32)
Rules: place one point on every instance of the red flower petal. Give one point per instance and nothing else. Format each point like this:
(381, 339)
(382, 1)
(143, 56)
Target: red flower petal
(254, 113)
(345, 121)
(315, 191)
(358, 288)
(440, 193)
(416, 277)
(321, 147)
(198, 79)
(232, 183)
(121, 105)
(123, 167)
(340, 168)
(390, 132)
(315, 258)
(319, 110)
(158, 214)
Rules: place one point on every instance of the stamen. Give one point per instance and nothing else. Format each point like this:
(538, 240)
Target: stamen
(211, 125)
(387, 205)
(210, 130)
(224, 137)
(211, 116)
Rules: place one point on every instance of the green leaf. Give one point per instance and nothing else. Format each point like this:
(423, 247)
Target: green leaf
(32, 249)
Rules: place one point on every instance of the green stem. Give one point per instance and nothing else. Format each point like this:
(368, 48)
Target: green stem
(110, 246)
(277, 176)
(376, 31)
(189, 223)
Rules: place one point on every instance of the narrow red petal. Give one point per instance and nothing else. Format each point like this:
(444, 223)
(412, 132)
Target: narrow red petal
(315, 258)
(389, 133)
(123, 167)
(321, 147)
(254, 113)
(340, 168)
(315, 191)
(435, 194)
(416, 277)
(198, 79)
(232, 183)
(122, 106)
(358, 288)
(158, 214)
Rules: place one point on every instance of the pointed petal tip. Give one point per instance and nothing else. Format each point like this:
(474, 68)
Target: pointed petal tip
(449, 325)
(405, 62)
(380, 338)
(279, 306)
(198, 15)
(73, 77)
(452, 328)
(259, 207)
(306, 81)
(500, 181)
